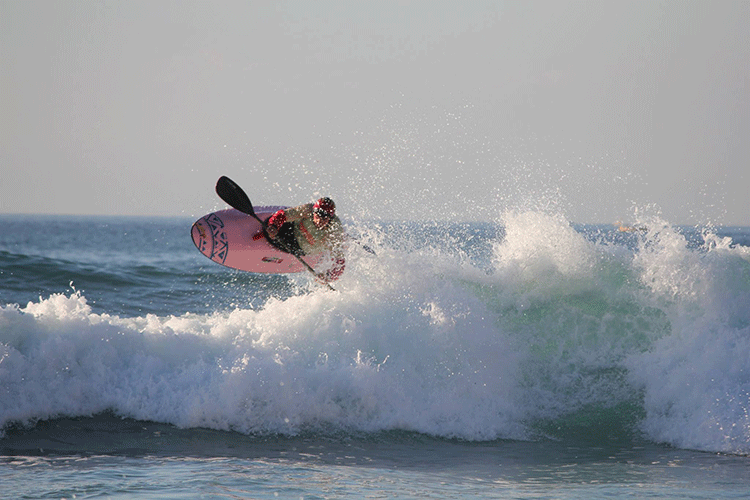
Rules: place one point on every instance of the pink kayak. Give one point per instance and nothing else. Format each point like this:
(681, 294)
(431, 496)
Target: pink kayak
(234, 239)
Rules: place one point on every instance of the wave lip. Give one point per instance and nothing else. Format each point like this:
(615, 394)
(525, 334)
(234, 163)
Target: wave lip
(696, 379)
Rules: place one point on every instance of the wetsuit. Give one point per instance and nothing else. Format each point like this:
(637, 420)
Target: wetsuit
(299, 235)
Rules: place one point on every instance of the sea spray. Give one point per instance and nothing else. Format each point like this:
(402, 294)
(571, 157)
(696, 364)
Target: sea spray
(696, 380)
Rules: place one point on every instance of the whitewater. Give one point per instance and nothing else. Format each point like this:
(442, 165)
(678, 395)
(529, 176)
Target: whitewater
(524, 331)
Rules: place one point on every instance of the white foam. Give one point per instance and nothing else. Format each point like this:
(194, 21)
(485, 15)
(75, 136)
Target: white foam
(363, 359)
(697, 377)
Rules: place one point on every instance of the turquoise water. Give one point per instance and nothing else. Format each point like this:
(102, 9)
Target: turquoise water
(524, 358)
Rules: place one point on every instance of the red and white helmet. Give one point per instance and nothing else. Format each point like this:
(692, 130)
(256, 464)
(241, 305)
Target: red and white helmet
(325, 207)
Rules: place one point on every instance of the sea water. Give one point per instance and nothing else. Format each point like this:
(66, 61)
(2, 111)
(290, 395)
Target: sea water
(527, 357)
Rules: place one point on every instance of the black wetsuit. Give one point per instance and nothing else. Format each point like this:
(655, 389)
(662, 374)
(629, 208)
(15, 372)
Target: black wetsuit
(285, 239)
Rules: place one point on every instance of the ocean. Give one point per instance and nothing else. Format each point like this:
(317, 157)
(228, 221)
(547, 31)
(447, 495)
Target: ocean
(528, 357)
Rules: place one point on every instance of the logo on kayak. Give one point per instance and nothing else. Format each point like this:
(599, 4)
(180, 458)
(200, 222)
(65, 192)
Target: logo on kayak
(219, 241)
(275, 260)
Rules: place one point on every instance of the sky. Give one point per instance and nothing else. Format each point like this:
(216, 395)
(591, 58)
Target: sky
(602, 111)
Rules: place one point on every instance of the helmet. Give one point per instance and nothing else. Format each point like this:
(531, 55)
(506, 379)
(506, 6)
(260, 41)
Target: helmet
(325, 207)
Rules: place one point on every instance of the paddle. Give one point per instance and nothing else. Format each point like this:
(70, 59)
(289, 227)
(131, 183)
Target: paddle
(365, 247)
(230, 192)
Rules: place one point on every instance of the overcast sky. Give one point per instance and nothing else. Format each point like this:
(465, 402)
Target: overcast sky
(397, 109)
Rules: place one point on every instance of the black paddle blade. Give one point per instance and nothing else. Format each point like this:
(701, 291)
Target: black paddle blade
(368, 249)
(233, 195)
